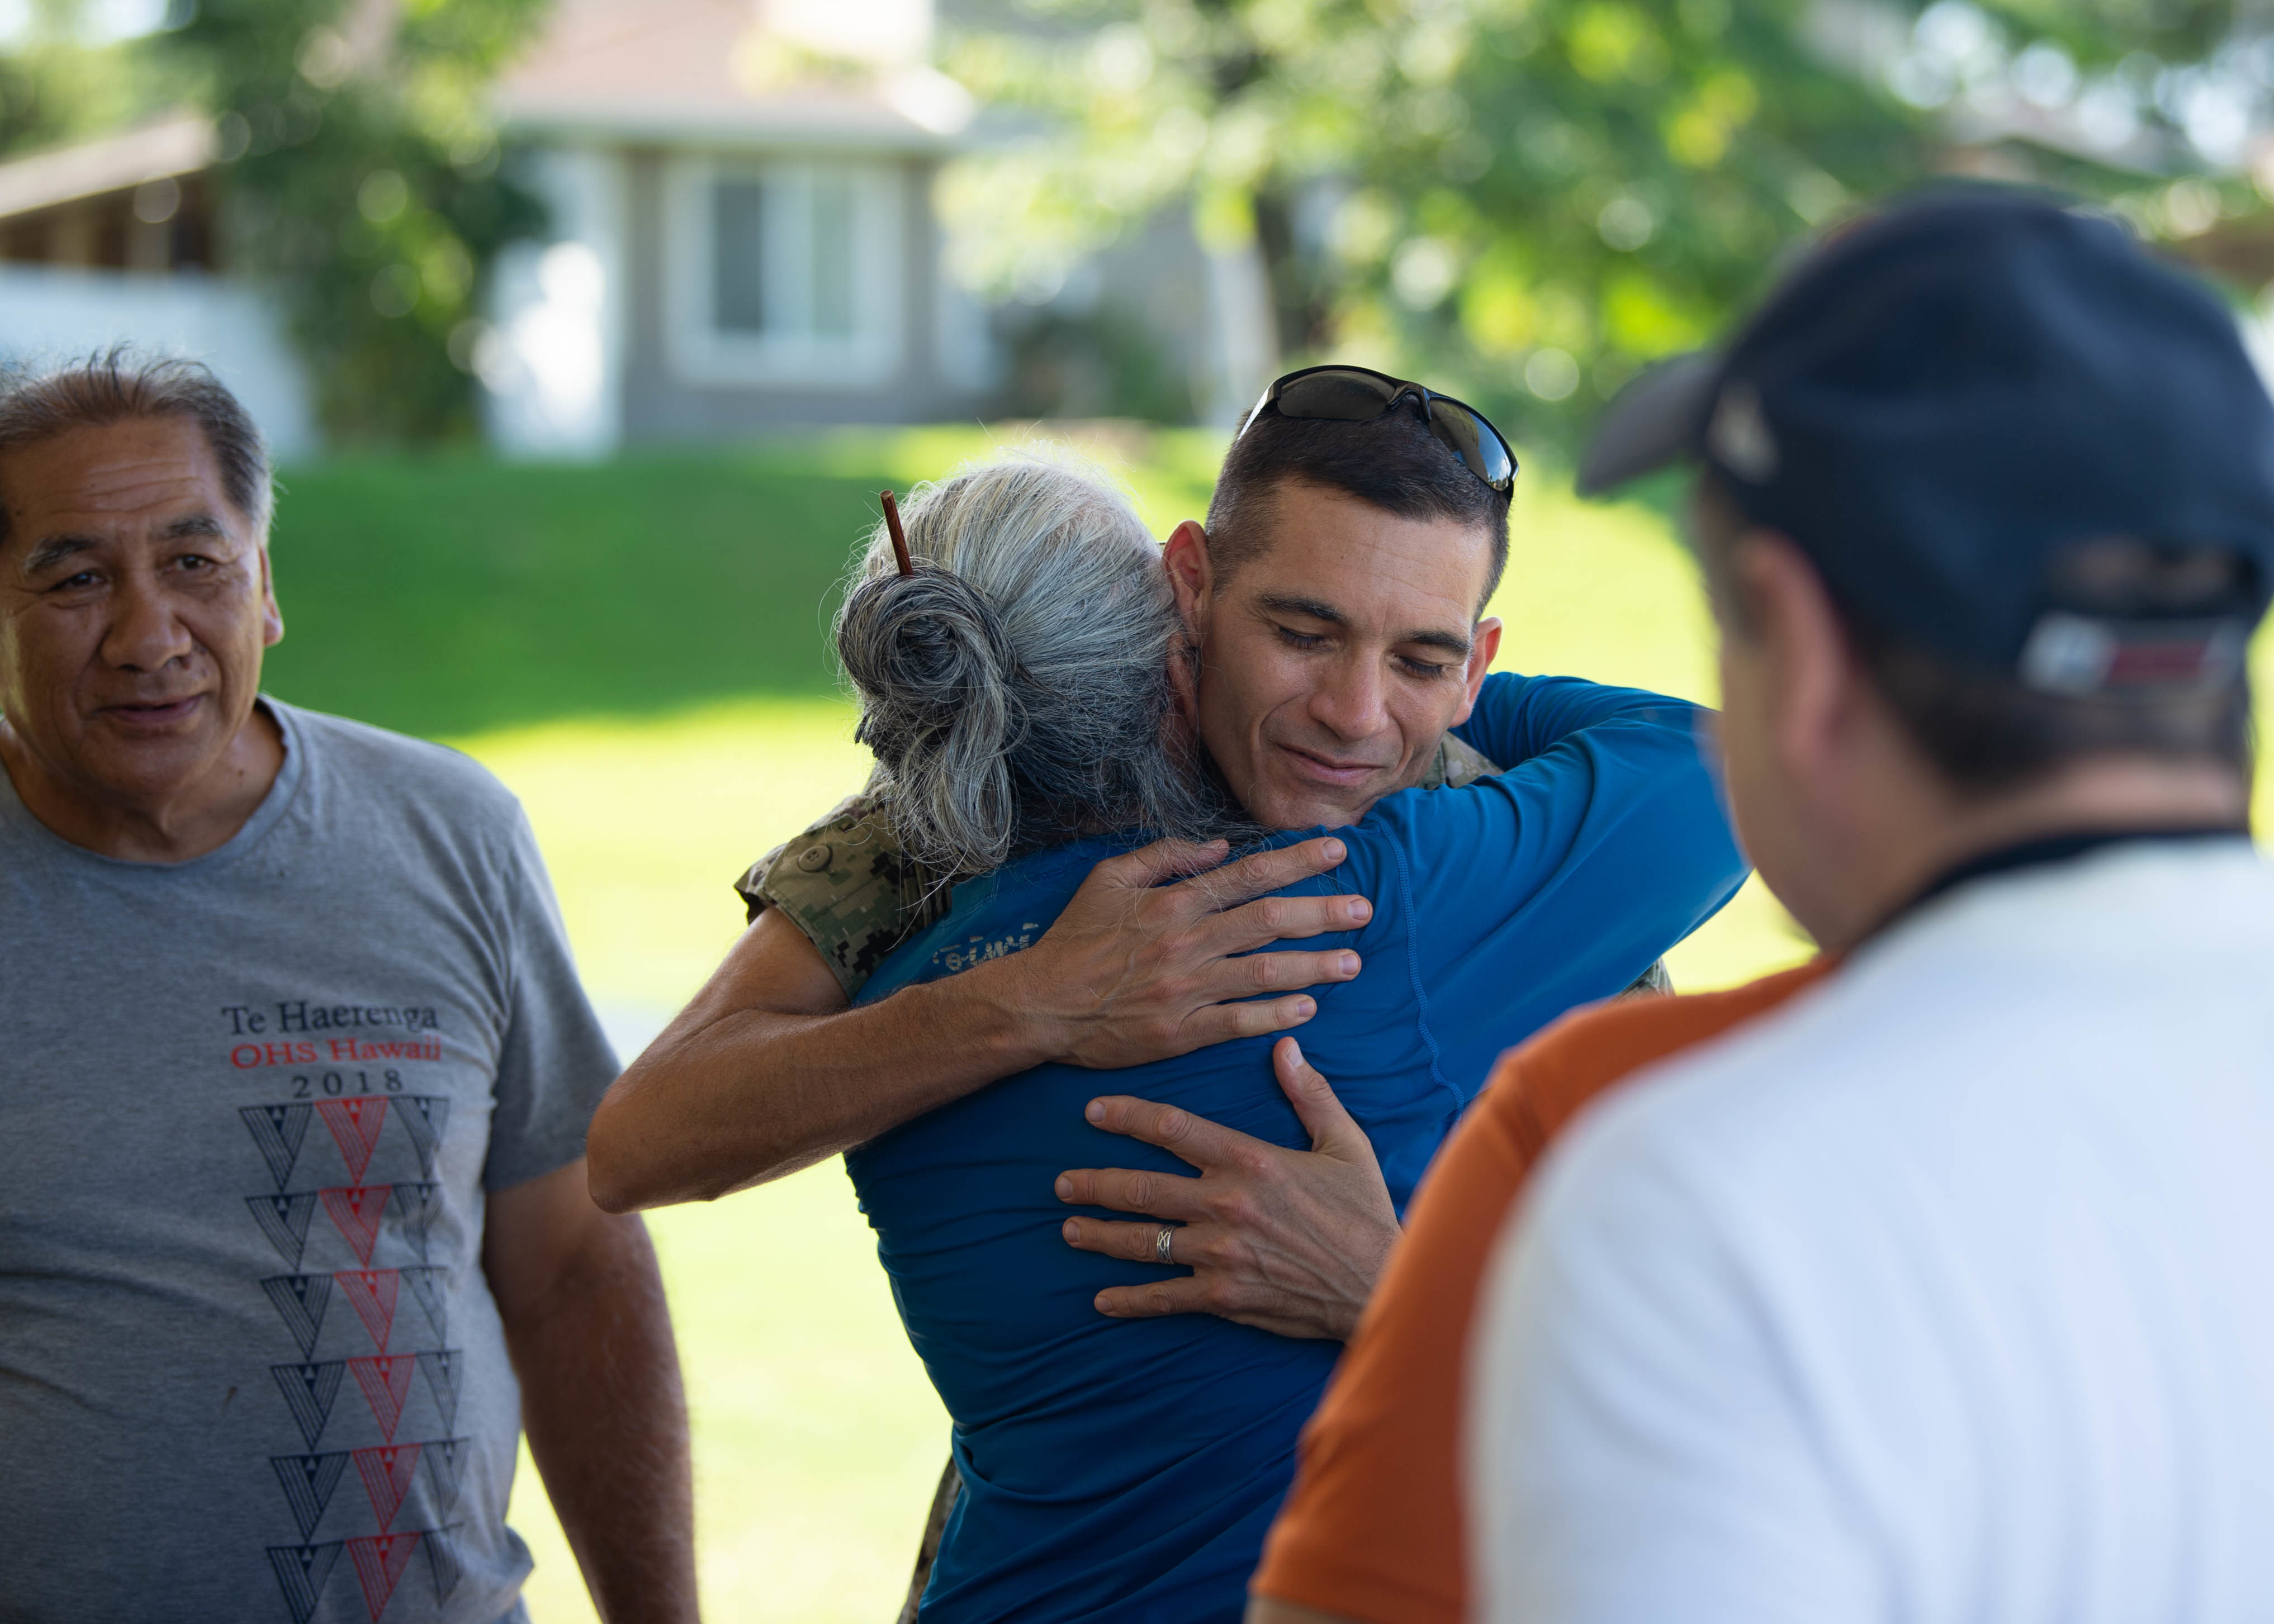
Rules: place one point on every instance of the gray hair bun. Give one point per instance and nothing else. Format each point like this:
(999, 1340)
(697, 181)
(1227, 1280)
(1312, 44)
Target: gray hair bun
(1015, 688)
(940, 706)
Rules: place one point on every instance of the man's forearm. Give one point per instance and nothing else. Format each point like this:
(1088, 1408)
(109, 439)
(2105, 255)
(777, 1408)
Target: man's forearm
(730, 1097)
(606, 1419)
(767, 1072)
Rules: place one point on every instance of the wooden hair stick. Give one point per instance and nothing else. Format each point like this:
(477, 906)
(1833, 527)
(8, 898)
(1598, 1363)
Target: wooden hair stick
(900, 535)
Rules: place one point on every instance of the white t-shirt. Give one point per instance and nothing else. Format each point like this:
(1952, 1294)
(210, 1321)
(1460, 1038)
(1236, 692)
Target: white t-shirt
(1945, 1293)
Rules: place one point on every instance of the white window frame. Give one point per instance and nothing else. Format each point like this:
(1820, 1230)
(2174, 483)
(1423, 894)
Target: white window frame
(702, 352)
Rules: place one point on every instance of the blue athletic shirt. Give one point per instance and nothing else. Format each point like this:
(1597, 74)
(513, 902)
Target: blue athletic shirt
(1126, 1470)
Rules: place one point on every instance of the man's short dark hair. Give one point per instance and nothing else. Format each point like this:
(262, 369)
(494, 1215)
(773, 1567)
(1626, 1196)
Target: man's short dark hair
(118, 386)
(1985, 730)
(1394, 463)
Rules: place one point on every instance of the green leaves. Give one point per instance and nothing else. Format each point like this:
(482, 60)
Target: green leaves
(1524, 200)
(363, 176)
(1476, 185)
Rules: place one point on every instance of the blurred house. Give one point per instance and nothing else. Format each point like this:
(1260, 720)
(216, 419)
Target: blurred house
(115, 241)
(743, 236)
(742, 231)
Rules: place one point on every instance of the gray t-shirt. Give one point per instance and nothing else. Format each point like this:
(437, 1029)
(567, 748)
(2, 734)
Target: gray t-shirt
(250, 1105)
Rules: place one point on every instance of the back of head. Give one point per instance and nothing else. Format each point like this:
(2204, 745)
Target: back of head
(1392, 462)
(2033, 466)
(1988, 731)
(1016, 688)
(118, 386)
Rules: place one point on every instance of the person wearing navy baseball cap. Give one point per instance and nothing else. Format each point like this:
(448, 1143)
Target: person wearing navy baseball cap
(1951, 405)
(1937, 1291)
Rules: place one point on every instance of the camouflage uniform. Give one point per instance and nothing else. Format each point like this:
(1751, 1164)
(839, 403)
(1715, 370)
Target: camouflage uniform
(848, 886)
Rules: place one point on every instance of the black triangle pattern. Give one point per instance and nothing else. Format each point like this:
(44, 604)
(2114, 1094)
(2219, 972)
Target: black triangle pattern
(300, 1300)
(310, 1389)
(442, 1560)
(278, 1130)
(432, 1287)
(309, 1480)
(283, 1219)
(418, 1206)
(444, 1458)
(427, 1120)
(443, 1367)
(301, 1570)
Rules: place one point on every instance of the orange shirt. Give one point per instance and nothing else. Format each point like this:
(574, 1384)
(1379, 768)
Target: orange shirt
(1371, 1527)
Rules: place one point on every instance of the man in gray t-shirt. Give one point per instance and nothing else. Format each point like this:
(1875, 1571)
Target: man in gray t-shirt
(293, 1224)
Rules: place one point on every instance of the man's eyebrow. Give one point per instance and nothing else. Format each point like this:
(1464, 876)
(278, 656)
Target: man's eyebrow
(54, 550)
(1311, 608)
(194, 524)
(1452, 643)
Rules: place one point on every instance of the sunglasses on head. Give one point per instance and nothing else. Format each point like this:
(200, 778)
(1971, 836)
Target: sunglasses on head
(1360, 394)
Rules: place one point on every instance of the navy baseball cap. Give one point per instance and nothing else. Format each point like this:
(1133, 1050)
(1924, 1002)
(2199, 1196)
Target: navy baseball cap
(1945, 403)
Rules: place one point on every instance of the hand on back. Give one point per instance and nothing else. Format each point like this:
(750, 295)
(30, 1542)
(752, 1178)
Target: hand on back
(1288, 1241)
(1135, 970)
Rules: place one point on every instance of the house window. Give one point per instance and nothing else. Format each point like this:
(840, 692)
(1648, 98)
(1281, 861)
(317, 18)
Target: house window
(790, 272)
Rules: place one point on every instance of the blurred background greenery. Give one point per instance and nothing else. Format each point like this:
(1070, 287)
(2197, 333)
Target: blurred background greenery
(1147, 204)
(590, 328)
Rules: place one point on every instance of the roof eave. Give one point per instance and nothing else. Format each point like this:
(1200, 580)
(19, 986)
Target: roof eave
(728, 128)
(162, 151)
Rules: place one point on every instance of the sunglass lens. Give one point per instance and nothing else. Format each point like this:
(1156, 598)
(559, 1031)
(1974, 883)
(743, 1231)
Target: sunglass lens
(1340, 396)
(1471, 439)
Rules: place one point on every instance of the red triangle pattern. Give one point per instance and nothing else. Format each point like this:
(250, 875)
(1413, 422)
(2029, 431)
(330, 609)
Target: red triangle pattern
(357, 1210)
(385, 1381)
(373, 1292)
(378, 1564)
(355, 1125)
(387, 1476)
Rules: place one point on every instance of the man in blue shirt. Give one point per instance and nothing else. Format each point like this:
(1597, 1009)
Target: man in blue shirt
(1335, 599)
(1127, 1472)
(1335, 595)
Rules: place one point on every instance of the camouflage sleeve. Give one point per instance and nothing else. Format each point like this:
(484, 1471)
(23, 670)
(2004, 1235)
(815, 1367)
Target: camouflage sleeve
(1457, 763)
(847, 885)
(1651, 983)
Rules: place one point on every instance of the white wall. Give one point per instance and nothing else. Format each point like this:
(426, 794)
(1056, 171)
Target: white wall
(552, 363)
(51, 314)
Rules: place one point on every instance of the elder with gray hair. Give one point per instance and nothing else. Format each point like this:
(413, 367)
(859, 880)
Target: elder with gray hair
(1026, 689)
(291, 1128)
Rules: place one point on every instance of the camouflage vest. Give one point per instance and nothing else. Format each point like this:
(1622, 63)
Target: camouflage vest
(847, 885)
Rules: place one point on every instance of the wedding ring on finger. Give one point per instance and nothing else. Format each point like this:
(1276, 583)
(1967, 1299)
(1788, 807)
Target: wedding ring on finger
(1161, 1244)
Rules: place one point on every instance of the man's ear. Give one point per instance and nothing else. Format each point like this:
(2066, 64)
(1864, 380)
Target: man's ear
(1185, 555)
(1810, 669)
(272, 617)
(1483, 648)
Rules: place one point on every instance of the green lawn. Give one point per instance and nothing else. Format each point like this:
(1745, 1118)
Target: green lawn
(637, 650)
(446, 595)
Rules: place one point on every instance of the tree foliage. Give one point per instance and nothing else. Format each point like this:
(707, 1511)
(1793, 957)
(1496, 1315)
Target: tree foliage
(1529, 199)
(57, 85)
(361, 174)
